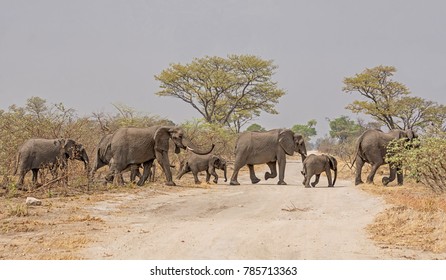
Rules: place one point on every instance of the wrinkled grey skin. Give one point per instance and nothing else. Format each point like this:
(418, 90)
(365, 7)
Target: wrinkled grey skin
(266, 147)
(144, 145)
(103, 157)
(197, 163)
(315, 165)
(371, 148)
(35, 154)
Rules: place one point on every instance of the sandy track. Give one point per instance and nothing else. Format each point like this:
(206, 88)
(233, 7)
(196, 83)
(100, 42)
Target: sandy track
(259, 221)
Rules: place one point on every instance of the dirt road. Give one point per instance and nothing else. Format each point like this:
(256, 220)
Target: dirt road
(262, 221)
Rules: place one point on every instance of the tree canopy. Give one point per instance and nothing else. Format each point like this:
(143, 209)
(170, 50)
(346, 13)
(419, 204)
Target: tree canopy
(255, 127)
(306, 130)
(230, 91)
(388, 101)
(342, 128)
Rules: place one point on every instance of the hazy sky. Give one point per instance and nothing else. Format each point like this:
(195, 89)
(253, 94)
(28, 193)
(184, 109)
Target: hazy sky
(89, 54)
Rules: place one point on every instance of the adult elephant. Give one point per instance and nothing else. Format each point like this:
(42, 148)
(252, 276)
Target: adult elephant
(133, 145)
(104, 155)
(266, 147)
(39, 153)
(371, 148)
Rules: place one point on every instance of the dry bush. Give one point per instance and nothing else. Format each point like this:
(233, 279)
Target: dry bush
(39, 120)
(344, 152)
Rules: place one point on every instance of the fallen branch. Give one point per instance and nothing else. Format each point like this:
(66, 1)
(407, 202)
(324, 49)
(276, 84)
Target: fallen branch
(53, 181)
(294, 208)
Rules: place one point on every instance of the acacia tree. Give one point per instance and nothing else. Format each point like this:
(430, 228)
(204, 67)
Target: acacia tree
(387, 101)
(229, 91)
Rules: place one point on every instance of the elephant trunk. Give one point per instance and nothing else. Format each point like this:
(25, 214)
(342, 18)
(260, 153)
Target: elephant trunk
(190, 146)
(303, 156)
(85, 159)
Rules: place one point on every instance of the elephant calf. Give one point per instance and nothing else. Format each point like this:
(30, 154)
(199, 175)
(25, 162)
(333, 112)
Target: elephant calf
(315, 165)
(35, 154)
(197, 163)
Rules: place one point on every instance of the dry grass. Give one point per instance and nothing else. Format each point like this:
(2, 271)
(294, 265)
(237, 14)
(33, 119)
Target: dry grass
(47, 247)
(415, 220)
(55, 230)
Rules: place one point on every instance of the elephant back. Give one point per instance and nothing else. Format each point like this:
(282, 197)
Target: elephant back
(249, 140)
(37, 152)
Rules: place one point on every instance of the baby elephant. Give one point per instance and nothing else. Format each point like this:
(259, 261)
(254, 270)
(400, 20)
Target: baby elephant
(197, 163)
(315, 165)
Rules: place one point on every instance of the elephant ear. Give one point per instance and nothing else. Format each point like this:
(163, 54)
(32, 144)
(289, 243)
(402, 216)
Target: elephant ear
(69, 147)
(286, 141)
(333, 162)
(215, 161)
(161, 138)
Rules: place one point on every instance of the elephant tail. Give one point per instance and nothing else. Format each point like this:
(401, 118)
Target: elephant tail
(16, 164)
(304, 169)
(358, 150)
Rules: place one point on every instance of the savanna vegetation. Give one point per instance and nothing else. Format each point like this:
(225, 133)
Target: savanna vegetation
(230, 93)
(416, 218)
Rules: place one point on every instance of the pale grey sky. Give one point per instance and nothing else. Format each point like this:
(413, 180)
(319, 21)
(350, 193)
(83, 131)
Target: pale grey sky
(89, 54)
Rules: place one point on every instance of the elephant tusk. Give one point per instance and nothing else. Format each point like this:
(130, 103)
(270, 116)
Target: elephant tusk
(201, 153)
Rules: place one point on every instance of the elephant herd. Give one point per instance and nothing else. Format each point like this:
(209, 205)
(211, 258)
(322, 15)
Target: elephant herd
(129, 149)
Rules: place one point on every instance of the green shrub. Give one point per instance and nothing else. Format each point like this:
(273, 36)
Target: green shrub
(422, 160)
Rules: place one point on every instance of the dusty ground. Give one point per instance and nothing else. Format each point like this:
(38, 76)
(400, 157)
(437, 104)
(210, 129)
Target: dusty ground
(262, 221)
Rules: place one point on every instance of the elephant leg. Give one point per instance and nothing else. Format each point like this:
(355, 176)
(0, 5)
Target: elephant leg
(212, 172)
(252, 174)
(152, 177)
(359, 165)
(183, 171)
(391, 178)
(134, 171)
(110, 177)
(237, 166)
(208, 176)
(196, 180)
(281, 159)
(35, 173)
(329, 179)
(64, 171)
(118, 177)
(399, 176)
(273, 169)
(121, 178)
(163, 158)
(234, 176)
(22, 174)
(307, 179)
(53, 171)
(147, 166)
(316, 180)
(372, 173)
(137, 172)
